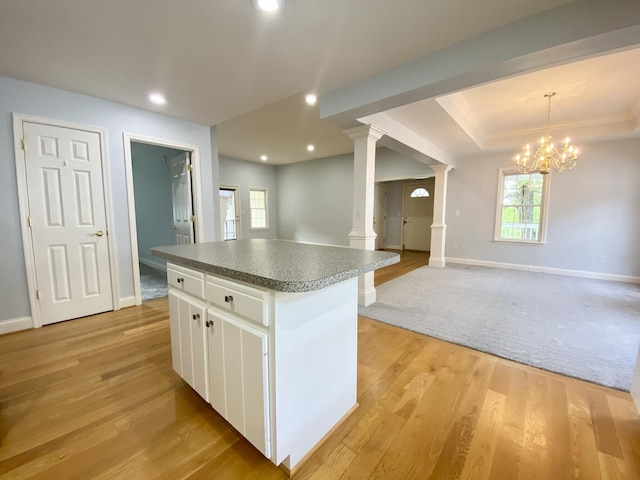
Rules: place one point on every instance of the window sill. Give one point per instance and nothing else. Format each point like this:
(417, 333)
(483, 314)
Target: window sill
(258, 229)
(529, 243)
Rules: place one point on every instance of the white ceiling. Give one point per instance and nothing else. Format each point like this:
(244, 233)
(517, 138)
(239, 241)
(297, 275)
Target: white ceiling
(220, 62)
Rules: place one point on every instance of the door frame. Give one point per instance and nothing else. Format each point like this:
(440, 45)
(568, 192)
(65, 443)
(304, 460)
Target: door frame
(196, 193)
(23, 204)
(236, 190)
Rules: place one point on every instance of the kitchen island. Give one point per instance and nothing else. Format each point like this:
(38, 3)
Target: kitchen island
(266, 332)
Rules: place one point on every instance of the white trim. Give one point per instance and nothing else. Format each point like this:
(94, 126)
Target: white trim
(150, 263)
(366, 297)
(15, 324)
(554, 271)
(126, 302)
(23, 204)
(392, 247)
(437, 262)
(196, 192)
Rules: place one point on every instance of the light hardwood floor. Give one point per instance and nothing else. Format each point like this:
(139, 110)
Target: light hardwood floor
(96, 398)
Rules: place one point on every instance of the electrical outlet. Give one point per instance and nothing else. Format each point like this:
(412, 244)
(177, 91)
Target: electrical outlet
(603, 259)
(455, 247)
(457, 213)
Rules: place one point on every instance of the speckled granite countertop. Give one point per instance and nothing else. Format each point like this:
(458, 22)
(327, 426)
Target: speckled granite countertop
(278, 264)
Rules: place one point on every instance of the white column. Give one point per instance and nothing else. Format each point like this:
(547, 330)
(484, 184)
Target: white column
(362, 234)
(439, 228)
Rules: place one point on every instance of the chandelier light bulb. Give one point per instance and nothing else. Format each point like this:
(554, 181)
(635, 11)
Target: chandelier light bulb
(547, 156)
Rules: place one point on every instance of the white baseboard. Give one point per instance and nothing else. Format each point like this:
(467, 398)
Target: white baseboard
(392, 247)
(551, 270)
(127, 302)
(15, 324)
(152, 264)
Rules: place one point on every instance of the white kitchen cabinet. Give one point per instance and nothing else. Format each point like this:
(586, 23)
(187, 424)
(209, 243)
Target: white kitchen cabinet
(239, 377)
(281, 367)
(188, 341)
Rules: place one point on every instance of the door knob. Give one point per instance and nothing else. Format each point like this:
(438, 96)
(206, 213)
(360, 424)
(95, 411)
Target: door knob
(99, 233)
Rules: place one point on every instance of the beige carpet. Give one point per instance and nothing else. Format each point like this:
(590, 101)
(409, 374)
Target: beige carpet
(583, 328)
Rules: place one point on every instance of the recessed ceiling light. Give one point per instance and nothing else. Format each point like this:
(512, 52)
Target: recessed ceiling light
(311, 99)
(264, 158)
(157, 98)
(310, 148)
(268, 6)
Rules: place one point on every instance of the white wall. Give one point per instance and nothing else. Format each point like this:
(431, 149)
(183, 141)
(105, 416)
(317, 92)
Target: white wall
(246, 175)
(30, 99)
(593, 212)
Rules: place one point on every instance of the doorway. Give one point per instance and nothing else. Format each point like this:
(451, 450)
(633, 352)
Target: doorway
(230, 213)
(63, 189)
(162, 191)
(417, 215)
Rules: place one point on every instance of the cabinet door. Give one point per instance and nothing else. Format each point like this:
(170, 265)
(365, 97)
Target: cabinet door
(215, 345)
(238, 378)
(174, 324)
(255, 370)
(197, 318)
(188, 341)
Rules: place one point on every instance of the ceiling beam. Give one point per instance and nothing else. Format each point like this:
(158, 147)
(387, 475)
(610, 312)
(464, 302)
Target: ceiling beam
(569, 33)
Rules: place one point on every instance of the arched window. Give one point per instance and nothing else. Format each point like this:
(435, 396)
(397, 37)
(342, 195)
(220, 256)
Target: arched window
(419, 192)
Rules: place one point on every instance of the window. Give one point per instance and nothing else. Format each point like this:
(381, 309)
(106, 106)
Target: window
(420, 192)
(522, 207)
(258, 206)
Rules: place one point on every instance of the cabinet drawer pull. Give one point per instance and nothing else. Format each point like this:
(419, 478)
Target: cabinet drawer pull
(209, 323)
(196, 316)
(180, 280)
(228, 298)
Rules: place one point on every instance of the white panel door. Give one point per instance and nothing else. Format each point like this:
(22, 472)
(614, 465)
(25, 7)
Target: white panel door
(182, 200)
(417, 217)
(68, 218)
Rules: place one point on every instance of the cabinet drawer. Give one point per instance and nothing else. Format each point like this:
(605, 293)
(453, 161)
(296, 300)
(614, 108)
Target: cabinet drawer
(242, 300)
(186, 280)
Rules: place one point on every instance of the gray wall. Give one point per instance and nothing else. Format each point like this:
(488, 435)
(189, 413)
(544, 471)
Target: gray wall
(246, 175)
(593, 212)
(394, 213)
(392, 165)
(153, 197)
(30, 99)
(315, 198)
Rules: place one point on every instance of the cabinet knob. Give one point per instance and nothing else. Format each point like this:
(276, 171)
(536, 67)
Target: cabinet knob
(209, 323)
(196, 316)
(180, 280)
(228, 298)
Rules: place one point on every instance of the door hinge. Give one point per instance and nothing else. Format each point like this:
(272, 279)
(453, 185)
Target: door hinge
(192, 218)
(37, 294)
(29, 221)
(190, 167)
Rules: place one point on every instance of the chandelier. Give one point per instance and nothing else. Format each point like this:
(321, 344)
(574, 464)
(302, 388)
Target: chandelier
(548, 155)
